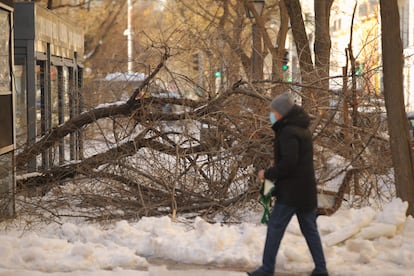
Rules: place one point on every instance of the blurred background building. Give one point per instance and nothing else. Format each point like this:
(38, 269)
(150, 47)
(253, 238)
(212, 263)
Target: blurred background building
(7, 126)
(48, 74)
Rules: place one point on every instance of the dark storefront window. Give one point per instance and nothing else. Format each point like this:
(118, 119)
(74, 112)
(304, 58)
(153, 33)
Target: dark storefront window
(46, 80)
(6, 117)
(6, 100)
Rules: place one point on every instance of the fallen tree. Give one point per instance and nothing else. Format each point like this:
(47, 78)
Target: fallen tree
(200, 159)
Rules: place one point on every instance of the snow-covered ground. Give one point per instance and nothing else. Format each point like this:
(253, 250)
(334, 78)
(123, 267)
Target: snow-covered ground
(356, 241)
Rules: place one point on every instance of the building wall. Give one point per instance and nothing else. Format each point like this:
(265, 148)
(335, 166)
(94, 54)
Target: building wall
(7, 133)
(407, 35)
(48, 54)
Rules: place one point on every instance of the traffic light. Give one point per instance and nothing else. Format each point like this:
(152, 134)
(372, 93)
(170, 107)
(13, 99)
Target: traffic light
(196, 61)
(285, 61)
(358, 68)
(217, 74)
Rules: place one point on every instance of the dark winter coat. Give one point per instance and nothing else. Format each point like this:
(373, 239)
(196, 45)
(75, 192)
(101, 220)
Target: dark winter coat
(293, 171)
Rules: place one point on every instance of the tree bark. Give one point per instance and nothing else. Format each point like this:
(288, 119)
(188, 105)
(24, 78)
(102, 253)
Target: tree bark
(277, 72)
(234, 41)
(322, 48)
(392, 58)
(278, 50)
(302, 47)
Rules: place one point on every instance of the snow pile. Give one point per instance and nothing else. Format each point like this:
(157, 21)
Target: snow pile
(118, 76)
(32, 252)
(113, 104)
(356, 241)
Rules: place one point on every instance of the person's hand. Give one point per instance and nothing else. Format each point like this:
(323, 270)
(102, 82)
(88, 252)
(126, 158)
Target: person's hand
(261, 175)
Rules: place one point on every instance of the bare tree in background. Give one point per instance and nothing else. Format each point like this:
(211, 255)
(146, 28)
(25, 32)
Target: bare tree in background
(392, 56)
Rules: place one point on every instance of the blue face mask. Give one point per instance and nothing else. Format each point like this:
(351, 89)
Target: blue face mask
(272, 118)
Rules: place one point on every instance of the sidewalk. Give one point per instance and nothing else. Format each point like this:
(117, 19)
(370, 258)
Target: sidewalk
(153, 271)
(157, 267)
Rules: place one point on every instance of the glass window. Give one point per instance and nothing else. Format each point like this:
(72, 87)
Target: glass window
(5, 78)
(65, 82)
(412, 122)
(6, 115)
(79, 91)
(39, 102)
(54, 95)
(337, 24)
(20, 100)
(54, 109)
(363, 10)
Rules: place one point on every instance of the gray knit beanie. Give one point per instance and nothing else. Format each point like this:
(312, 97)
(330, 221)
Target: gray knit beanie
(283, 103)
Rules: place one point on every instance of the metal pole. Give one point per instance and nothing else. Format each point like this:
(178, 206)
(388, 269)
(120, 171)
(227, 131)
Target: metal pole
(129, 36)
(31, 100)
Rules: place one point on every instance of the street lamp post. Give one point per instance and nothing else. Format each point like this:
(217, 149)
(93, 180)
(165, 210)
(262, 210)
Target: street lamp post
(257, 59)
(128, 33)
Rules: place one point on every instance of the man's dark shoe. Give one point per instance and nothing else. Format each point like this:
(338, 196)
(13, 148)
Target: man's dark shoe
(259, 272)
(319, 273)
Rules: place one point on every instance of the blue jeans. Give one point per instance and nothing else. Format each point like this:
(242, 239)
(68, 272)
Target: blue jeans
(279, 220)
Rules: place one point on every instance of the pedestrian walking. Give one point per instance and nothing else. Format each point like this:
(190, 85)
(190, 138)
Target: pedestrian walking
(295, 185)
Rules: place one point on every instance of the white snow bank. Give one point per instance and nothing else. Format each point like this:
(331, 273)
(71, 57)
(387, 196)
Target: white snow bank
(50, 255)
(105, 105)
(356, 242)
(119, 76)
(377, 230)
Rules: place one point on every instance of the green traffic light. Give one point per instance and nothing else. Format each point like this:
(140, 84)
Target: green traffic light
(359, 69)
(217, 74)
(285, 67)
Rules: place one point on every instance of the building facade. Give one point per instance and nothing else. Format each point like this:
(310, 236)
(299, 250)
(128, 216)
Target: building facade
(367, 44)
(48, 74)
(407, 34)
(7, 130)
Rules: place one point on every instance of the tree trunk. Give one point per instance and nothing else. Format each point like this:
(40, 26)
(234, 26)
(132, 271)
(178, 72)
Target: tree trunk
(277, 72)
(392, 58)
(257, 54)
(302, 47)
(322, 48)
(234, 41)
